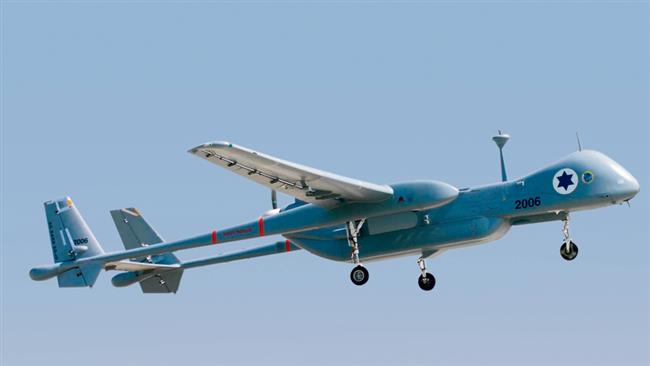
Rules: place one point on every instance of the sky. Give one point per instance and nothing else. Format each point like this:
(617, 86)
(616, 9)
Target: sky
(101, 100)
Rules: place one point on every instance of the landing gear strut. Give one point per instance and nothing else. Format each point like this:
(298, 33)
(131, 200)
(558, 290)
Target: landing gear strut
(426, 281)
(359, 274)
(568, 250)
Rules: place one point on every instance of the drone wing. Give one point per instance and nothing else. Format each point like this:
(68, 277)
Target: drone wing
(302, 182)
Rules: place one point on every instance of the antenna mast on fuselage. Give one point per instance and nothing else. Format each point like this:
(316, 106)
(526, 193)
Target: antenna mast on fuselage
(579, 144)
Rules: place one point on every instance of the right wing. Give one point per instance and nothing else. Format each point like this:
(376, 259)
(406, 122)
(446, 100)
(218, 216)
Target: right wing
(304, 183)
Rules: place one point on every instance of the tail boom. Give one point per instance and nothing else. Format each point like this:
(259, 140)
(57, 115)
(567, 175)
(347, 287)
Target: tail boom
(130, 278)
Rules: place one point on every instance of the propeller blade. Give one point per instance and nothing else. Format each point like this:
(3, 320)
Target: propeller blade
(274, 199)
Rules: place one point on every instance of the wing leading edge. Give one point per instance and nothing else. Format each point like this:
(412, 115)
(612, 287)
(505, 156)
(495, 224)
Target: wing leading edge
(302, 182)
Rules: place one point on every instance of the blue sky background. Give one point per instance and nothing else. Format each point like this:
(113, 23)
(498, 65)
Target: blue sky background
(101, 100)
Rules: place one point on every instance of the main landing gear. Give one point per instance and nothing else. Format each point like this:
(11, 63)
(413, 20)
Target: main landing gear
(568, 249)
(359, 274)
(426, 281)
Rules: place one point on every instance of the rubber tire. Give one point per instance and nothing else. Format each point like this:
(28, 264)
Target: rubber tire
(571, 254)
(359, 275)
(427, 283)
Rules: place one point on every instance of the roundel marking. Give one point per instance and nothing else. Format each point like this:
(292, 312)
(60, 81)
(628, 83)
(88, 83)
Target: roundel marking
(565, 181)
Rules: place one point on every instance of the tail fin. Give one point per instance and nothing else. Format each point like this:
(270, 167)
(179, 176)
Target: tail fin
(135, 232)
(71, 239)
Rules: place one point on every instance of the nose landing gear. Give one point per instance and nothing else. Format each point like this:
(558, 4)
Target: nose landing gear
(568, 249)
(426, 281)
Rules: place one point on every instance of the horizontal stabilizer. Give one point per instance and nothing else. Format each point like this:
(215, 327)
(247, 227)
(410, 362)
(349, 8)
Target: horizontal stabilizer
(138, 266)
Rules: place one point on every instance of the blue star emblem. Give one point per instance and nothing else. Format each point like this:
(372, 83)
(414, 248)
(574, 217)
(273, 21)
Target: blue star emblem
(565, 180)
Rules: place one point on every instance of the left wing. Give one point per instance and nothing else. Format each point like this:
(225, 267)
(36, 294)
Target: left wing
(305, 183)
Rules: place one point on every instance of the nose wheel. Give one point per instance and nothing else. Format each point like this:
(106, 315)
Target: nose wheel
(568, 250)
(426, 281)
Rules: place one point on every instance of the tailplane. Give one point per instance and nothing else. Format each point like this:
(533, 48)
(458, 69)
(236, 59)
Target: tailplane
(71, 239)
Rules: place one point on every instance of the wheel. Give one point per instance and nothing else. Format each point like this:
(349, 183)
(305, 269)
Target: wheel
(571, 254)
(427, 282)
(359, 275)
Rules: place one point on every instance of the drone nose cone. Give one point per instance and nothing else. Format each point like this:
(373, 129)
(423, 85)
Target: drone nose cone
(627, 185)
(634, 187)
(617, 184)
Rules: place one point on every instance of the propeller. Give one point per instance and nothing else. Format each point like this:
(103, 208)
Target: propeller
(274, 199)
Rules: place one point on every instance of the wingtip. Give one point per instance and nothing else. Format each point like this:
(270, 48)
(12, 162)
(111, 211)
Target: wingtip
(195, 149)
(214, 144)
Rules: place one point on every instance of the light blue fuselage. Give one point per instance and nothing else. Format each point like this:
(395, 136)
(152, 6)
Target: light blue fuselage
(480, 214)
(420, 217)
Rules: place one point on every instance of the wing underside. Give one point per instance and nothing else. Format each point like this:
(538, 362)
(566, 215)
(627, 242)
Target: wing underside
(302, 182)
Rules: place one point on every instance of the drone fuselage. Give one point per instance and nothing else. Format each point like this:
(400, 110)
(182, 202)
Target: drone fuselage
(341, 218)
(582, 180)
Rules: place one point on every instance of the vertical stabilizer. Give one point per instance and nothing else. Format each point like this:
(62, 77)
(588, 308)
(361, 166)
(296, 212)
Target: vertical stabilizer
(136, 232)
(71, 239)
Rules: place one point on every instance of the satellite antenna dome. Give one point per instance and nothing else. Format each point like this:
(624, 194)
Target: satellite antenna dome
(501, 139)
